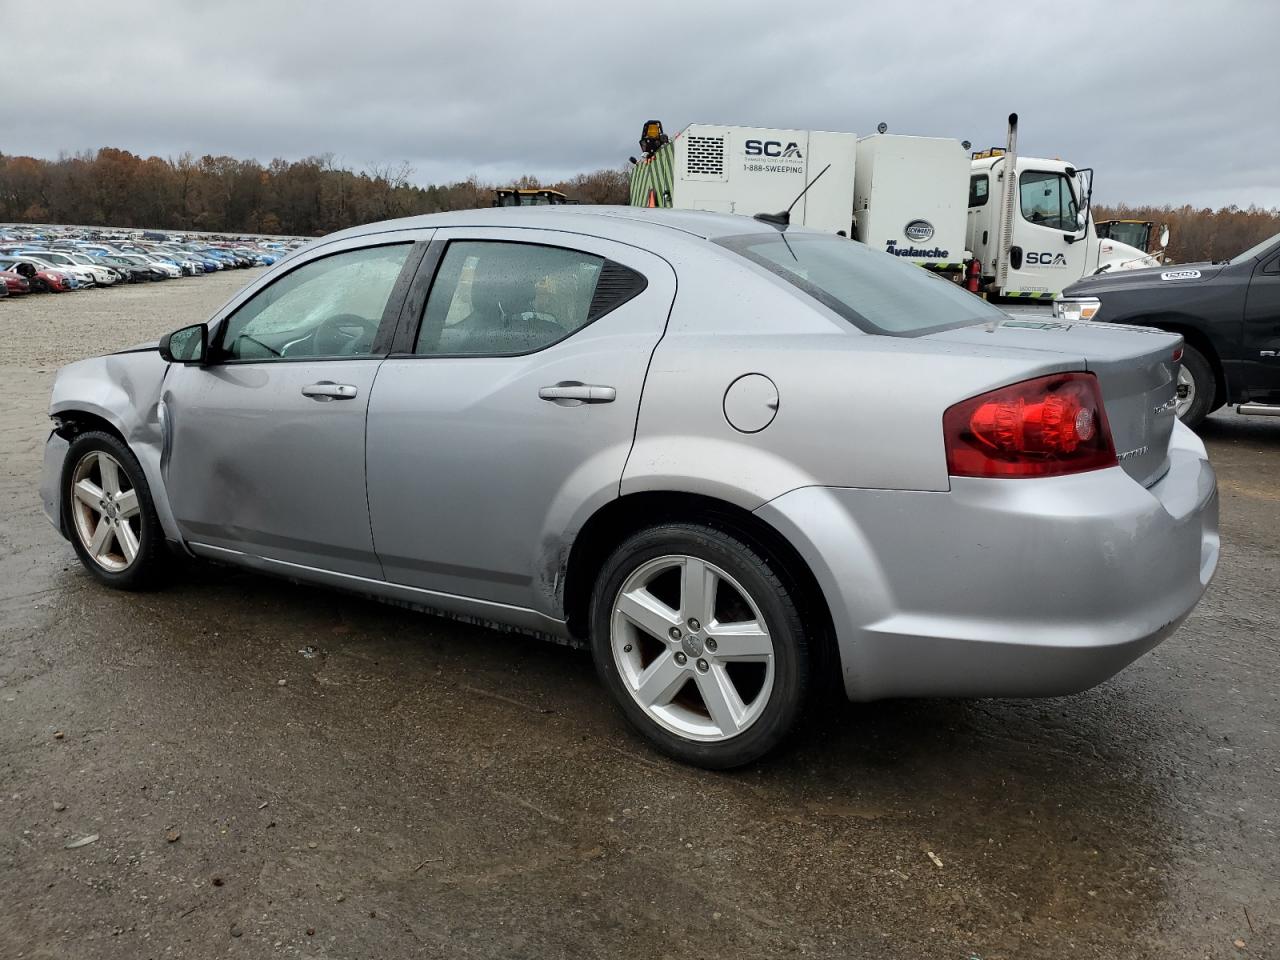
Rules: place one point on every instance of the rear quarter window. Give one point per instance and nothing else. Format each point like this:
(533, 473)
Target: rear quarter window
(874, 291)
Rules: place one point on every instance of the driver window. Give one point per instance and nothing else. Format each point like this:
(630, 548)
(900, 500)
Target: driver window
(1047, 200)
(330, 307)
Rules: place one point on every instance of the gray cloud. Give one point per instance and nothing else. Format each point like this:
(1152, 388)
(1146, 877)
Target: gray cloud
(1169, 102)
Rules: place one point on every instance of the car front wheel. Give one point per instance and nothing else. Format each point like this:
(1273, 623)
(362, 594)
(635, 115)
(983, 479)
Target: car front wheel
(700, 644)
(109, 512)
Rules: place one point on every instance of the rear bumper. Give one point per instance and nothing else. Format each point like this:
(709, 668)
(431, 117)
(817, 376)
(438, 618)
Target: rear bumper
(1015, 588)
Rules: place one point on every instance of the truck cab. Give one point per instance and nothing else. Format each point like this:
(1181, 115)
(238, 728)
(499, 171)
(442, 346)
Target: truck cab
(1052, 241)
(1136, 233)
(528, 197)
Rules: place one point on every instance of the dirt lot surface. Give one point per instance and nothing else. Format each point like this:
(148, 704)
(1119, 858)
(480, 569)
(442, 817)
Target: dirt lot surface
(272, 770)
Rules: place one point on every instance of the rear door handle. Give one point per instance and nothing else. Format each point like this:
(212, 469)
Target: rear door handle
(570, 393)
(327, 390)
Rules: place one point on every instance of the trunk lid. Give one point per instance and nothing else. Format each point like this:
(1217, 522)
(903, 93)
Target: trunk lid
(1135, 369)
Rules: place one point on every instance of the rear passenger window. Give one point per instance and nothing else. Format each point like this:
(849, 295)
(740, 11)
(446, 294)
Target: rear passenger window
(495, 298)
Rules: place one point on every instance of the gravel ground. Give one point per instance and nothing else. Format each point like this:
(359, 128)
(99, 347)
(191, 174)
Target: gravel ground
(421, 788)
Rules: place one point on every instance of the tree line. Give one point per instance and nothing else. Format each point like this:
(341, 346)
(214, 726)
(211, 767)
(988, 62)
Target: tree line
(308, 197)
(317, 195)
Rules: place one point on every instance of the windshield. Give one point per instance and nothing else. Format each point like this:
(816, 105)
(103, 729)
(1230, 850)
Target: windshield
(1047, 200)
(1255, 250)
(1134, 233)
(875, 292)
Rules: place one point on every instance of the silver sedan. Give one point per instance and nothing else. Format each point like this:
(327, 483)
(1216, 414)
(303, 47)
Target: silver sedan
(740, 461)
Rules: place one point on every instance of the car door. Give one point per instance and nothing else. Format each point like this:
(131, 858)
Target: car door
(265, 444)
(1041, 259)
(506, 414)
(1262, 330)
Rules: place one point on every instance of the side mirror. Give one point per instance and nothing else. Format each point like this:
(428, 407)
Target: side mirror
(188, 345)
(26, 270)
(1082, 218)
(1164, 236)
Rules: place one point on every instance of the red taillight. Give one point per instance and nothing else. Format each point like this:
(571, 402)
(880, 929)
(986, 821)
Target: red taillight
(1038, 428)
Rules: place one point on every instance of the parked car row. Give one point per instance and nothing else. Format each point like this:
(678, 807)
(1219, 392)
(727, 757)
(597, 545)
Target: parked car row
(56, 262)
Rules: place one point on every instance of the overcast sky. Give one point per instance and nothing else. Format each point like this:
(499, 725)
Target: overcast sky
(1172, 101)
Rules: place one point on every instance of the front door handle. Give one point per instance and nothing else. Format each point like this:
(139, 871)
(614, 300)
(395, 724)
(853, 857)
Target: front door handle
(570, 393)
(327, 390)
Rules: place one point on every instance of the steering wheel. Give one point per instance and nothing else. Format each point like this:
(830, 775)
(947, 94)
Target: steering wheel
(342, 335)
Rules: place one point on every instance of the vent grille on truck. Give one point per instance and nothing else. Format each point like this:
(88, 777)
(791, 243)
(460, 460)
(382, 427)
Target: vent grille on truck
(704, 156)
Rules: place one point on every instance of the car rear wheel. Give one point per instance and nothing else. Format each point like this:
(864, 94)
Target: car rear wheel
(700, 644)
(109, 512)
(1196, 387)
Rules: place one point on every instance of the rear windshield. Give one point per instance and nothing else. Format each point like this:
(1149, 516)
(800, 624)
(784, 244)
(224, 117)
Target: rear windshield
(874, 291)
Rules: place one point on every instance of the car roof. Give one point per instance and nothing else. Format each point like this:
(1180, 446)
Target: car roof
(626, 224)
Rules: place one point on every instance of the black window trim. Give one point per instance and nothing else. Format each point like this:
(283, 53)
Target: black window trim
(382, 340)
(414, 310)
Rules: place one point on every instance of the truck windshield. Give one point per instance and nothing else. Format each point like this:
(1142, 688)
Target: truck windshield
(1254, 251)
(1135, 233)
(875, 292)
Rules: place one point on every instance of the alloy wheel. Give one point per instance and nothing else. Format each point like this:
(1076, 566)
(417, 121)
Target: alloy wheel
(692, 648)
(105, 511)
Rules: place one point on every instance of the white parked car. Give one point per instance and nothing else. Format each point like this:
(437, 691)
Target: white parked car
(84, 260)
(86, 276)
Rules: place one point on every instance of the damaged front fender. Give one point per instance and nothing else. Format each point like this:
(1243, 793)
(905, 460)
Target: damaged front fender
(122, 389)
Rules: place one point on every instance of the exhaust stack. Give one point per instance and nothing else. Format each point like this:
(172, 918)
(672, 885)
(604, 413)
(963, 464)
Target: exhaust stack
(1010, 161)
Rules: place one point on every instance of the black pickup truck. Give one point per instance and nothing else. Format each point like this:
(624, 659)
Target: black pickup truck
(1228, 314)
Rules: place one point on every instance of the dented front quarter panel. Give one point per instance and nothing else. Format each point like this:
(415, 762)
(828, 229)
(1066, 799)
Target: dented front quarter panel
(124, 390)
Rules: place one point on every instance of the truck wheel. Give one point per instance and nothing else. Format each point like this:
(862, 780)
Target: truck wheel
(1196, 387)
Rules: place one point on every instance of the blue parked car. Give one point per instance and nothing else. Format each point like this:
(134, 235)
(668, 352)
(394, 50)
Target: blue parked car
(210, 263)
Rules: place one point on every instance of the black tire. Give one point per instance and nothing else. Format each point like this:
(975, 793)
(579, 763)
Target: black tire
(146, 569)
(791, 662)
(1205, 383)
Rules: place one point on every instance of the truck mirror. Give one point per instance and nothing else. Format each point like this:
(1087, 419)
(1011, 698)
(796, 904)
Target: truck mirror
(1082, 218)
(1164, 236)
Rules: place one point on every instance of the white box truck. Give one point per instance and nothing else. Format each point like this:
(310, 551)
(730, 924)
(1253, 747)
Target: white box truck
(909, 198)
(924, 199)
(752, 170)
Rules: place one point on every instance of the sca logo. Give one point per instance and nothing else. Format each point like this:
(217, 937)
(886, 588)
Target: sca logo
(773, 148)
(1047, 259)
